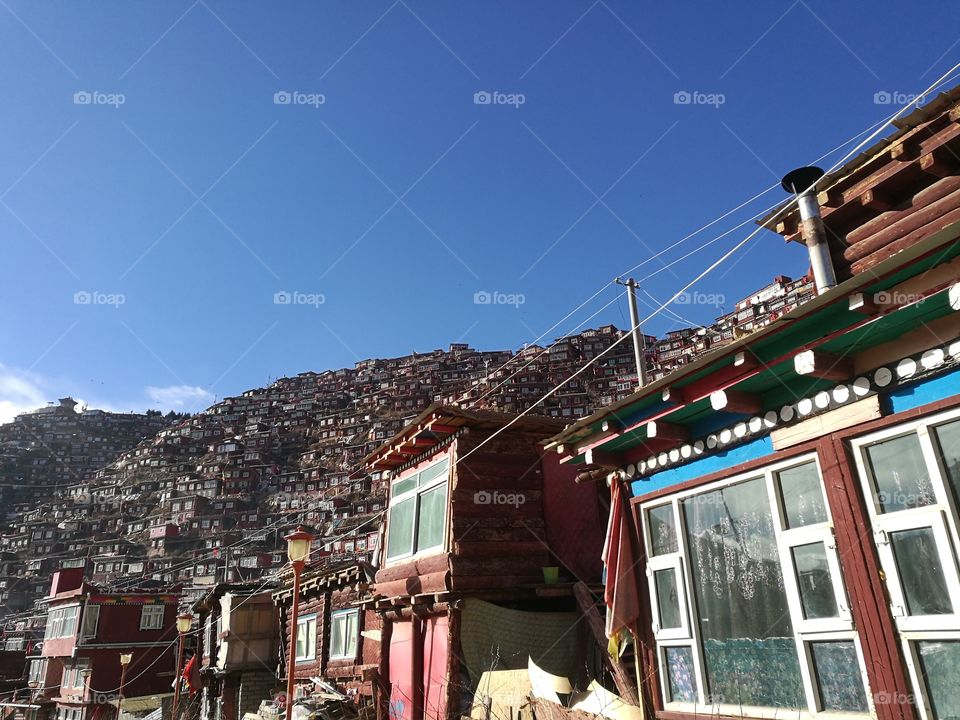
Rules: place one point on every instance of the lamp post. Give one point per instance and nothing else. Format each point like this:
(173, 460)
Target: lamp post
(298, 551)
(184, 622)
(125, 659)
(85, 674)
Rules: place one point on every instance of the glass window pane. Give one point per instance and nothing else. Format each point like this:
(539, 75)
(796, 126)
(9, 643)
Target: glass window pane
(839, 681)
(402, 486)
(668, 601)
(351, 633)
(337, 635)
(900, 474)
(663, 531)
(400, 528)
(433, 472)
(433, 511)
(681, 680)
(813, 576)
(802, 495)
(921, 572)
(749, 650)
(948, 438)
(940, 669)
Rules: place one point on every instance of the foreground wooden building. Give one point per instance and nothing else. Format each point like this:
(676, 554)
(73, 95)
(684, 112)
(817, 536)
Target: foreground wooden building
(337, 636)
(796, 492)
(485, 539)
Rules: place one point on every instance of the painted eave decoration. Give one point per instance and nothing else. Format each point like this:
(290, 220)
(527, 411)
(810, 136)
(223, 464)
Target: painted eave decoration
(799, 367)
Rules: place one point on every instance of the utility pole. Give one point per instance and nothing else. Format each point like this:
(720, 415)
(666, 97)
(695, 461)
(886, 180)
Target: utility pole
(638, 344)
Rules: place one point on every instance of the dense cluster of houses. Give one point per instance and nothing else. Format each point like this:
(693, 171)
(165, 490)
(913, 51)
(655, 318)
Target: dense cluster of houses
(76, 494)
(769, 527)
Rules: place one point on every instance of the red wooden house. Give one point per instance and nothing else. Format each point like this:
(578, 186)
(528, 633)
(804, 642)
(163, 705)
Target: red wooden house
(477, 519)
(337, 638)
(88, 629)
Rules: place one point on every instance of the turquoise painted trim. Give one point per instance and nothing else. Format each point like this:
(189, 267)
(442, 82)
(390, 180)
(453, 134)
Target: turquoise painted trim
(705, 466)
(910, 397)
(926, 392)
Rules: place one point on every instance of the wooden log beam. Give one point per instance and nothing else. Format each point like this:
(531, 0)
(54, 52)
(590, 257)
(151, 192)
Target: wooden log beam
(676, 395)
(746, 360)
(907, 222)
(621, 676)
(904, 152)
(876, 199)
(822, 365)
(611, 425)
(734, 401)
(862, 303)
(938, 163)
(593, 456)
(667, 431)
(830, 198)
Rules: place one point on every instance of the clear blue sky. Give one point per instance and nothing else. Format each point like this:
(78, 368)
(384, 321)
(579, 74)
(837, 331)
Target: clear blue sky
(179, 186)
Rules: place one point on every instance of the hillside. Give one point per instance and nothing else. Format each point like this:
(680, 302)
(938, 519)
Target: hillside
(199, 499)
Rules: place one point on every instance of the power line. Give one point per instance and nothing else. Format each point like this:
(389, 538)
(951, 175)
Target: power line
(785, 206)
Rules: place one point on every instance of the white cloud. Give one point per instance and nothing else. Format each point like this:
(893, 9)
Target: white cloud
(180, 397)
(19, 392)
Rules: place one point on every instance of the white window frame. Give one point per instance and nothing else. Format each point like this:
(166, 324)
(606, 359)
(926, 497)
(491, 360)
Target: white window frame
(150, 619)
(344, 616)
(805, 632)
(303, 624)
(91, 616)
(415, 494)
(940, 516)
(57, 622)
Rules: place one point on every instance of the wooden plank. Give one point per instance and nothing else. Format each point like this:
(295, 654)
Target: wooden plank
(838, 419)
(886, 669)
(621, 676)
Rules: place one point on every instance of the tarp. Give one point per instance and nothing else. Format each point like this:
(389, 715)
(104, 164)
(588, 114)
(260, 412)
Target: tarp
(498, 638)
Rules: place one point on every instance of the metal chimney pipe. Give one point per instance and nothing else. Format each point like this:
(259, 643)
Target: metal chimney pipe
(801, 182)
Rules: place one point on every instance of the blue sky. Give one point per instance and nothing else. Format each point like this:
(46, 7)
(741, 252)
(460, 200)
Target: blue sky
(198, 197)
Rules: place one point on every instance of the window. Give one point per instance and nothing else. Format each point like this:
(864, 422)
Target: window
(416, 519)
(151, 617)
(62, 622)
(14, 643)
(38, 672)
(344, 629)
(306, 638)
(911, 479)
(748, 603)
(91, 618)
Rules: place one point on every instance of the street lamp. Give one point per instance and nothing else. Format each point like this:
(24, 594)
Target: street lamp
(125, 659)
(298, 551)
(85, 674)
(184, 623)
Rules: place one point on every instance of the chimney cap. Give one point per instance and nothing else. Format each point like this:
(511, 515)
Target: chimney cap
(796, 181)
